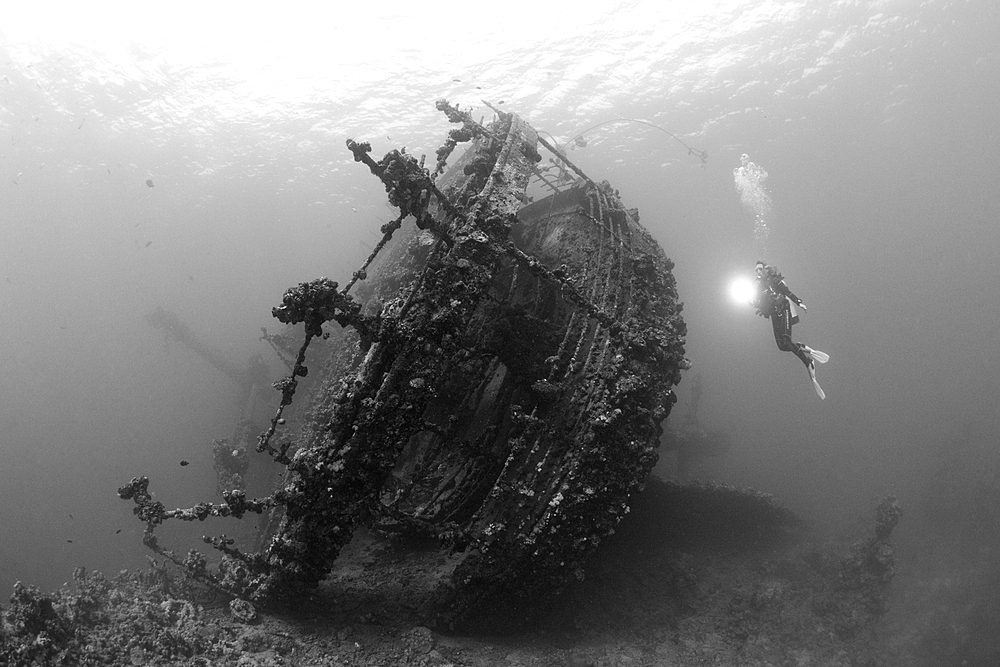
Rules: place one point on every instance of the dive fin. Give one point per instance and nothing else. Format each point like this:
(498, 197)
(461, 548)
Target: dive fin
(819, 390)
(821, 357)
(812, 376)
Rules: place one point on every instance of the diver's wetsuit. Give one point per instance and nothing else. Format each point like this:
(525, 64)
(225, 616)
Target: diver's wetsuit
(774, 302)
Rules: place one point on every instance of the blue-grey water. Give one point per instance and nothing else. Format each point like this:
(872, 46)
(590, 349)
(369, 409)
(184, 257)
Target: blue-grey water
(193, 158)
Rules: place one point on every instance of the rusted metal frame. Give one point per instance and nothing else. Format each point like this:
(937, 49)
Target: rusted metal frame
(601, 224)
(596, 356)
(502, 197)
(594, 287)
(598, 289)
(504, 189)
(555, 151)
(563, 345)
(625, 252)
(572, 332)
(572, 457)
(532, 464)
(613, 291)
(519, 470)
(491, 504)
(361, 273)
(473, 398)
(568, 289)
(479, 127)
(601, 287)
(542, 456)
(536, 455)
(600, 341)
(361, 150)
(626, 235)
(552, 186)
(610, 291)
(533, 265)
(547, 511)
(502, 194)
(586, 332)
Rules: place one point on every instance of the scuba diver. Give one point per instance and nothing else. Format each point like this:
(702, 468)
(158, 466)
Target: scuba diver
(773, 300)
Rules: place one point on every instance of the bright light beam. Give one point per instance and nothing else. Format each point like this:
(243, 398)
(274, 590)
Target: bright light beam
(741, 290)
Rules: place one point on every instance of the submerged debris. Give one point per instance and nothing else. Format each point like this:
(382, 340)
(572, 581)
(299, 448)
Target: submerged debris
(501, 388)
(242, 611)
(643, 599)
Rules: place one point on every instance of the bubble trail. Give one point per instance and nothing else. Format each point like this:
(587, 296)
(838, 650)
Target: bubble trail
(750, 179)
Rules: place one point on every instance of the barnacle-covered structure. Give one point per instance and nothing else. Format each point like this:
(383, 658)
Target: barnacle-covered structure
(503, 372)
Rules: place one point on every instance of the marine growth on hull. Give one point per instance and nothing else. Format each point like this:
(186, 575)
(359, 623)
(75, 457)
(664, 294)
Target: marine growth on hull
(501, 372)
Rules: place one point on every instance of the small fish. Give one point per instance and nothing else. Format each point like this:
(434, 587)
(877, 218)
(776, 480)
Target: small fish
(118, 531)
(70, 541)
(457, 80)
(184, 463)
(148, 243)
(149, 182)
(71, 516)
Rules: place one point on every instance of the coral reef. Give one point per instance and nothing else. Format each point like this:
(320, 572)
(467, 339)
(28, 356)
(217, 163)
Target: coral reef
(133, 619)
(231, 462)
(655, 593)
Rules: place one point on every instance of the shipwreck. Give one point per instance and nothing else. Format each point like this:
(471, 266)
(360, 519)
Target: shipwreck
(494, 376)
